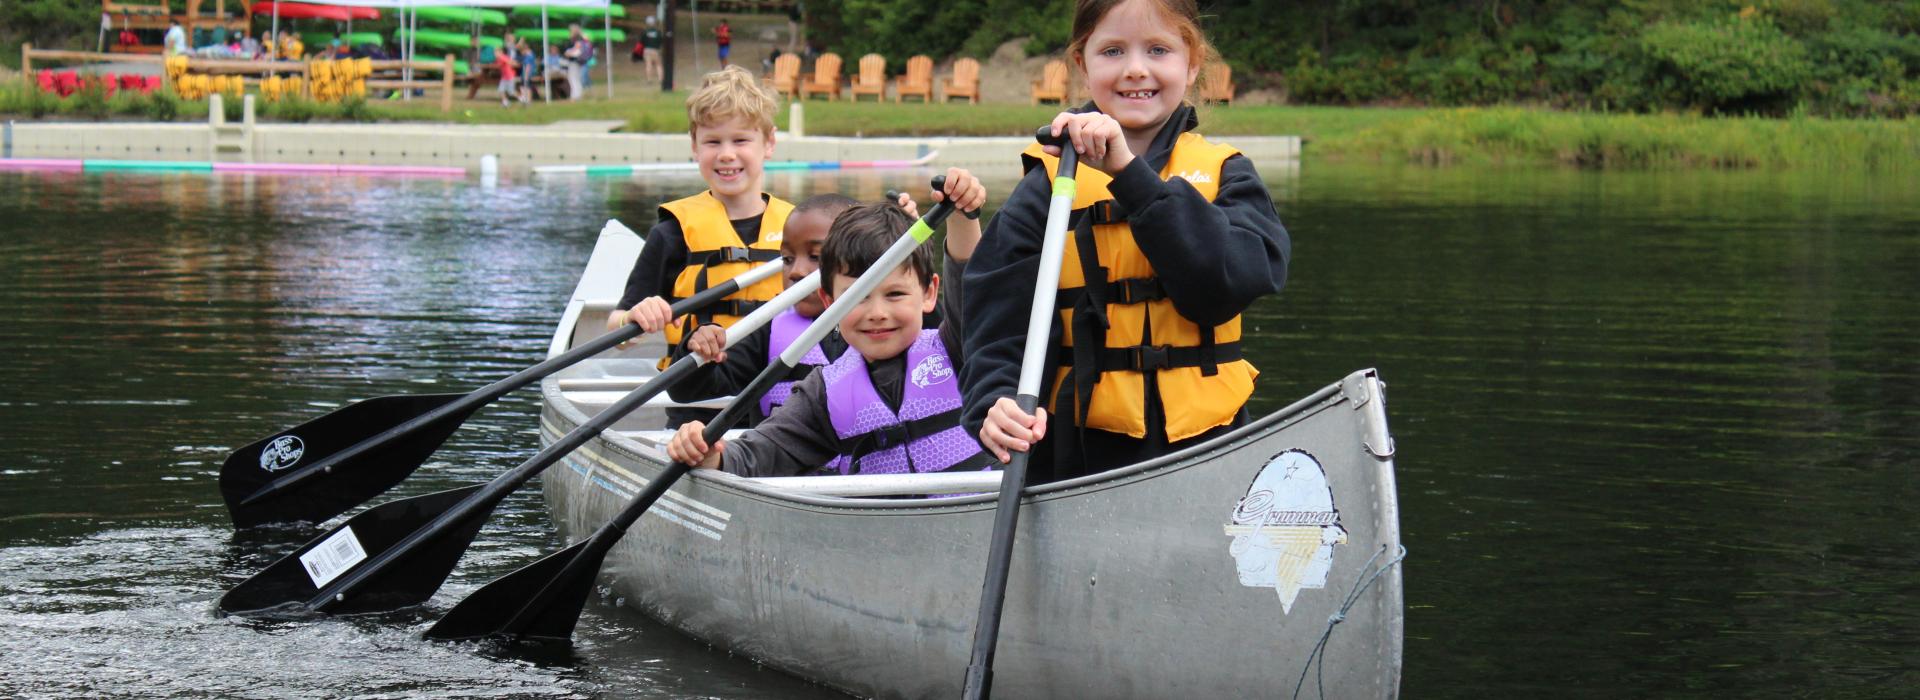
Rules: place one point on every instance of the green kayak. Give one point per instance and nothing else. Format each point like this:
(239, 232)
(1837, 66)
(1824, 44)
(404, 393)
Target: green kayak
(318, 39)
(440, 39)
(559, 34)
(569, 12)
(462, 15)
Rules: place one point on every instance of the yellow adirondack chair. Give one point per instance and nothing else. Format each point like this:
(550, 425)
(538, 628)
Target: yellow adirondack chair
(1218, 87)
(826, 78)
(965, 81)
(872, 79)
(1052, 84)
(786, 75)
(917, 81)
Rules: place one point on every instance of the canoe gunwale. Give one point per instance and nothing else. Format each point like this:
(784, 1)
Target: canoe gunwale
(1327, 397)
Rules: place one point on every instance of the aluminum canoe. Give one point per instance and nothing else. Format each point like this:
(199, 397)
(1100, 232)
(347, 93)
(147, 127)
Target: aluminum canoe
(1249, 566)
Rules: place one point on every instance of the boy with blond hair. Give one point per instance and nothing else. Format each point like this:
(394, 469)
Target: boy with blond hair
(713, 236)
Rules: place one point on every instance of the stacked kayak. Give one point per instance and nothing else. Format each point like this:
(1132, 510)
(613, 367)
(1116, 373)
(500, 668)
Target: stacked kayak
(462, 15)
(569, 13)
(559, 34)
(441, 39)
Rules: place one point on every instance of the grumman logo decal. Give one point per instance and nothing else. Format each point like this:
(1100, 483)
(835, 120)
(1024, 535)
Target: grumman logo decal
(285, 451)
(932, 370)
(1285, 529)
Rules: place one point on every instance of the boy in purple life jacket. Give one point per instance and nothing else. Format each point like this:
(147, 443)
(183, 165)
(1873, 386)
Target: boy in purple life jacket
(727, 372)
(891, 406)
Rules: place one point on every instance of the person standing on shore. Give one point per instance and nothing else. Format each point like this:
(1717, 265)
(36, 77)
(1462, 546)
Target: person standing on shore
(723, 35)
(651, 40)
(175, 43)
(574, 60)
(796, 16)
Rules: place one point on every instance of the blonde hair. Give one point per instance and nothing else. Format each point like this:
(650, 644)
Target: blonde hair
(728, 93)
(1184, 15)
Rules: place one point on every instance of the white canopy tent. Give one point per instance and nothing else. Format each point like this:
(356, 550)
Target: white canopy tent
(405, 7)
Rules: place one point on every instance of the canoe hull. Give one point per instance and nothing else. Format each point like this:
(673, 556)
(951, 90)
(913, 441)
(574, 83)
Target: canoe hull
(1209, 573)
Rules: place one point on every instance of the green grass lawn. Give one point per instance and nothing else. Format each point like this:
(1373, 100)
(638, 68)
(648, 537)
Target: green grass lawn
(657, 112)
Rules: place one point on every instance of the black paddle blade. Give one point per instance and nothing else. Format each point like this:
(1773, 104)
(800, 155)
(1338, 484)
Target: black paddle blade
(274, 480)
(292, 584)
(541, 600)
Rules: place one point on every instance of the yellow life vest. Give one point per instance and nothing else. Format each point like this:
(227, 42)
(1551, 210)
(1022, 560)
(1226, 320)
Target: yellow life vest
(716, 254)
(1203, 381)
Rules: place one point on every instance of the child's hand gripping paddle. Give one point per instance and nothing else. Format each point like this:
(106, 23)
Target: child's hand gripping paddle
(543, 600)
(993, 593)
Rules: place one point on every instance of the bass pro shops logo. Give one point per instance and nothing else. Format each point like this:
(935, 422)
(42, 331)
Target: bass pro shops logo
(285, 451)
(931, 370)
(1285, 528)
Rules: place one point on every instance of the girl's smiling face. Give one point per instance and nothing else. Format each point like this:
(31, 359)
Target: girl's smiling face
(1138, 67)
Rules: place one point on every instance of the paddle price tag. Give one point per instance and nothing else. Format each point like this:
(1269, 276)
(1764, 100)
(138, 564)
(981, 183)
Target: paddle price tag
(333, 557)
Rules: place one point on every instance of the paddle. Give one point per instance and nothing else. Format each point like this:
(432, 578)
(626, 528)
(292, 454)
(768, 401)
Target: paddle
(993, 593)
(543, 600)
(325, 466)
(397, 554)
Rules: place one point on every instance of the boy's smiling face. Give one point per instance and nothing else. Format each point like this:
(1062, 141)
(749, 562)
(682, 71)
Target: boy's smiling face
(800, 245)
(888, 321)
(731, 154)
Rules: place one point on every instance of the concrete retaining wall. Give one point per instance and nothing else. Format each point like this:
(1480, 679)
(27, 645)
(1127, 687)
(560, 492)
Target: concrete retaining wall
(517, 147)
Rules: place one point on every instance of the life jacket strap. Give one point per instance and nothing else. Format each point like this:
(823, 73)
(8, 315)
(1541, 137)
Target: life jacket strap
(736, 308)
(1141, 358)
(899, 434)
(1133, 290)
(706, 259)
(1103, 212)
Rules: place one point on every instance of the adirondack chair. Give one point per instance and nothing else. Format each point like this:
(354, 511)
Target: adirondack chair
(1218, 87)
(1052, 84)
(965, 81)
(872, 79)
(786, 75)
(825, 79)
(917, 81)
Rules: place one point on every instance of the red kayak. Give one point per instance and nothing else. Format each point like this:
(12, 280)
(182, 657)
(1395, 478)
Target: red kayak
(301, 10)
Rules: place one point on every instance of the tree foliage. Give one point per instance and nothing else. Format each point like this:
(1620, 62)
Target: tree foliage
(47, 24)
(1841, 57)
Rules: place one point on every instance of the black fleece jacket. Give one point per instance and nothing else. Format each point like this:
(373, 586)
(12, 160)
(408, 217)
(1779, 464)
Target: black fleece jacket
(1212, 258)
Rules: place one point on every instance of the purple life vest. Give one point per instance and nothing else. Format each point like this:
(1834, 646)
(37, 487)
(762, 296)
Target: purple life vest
(785, 329)
(925, 436)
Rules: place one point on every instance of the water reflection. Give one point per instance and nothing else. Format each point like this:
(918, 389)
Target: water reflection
(1654, 429)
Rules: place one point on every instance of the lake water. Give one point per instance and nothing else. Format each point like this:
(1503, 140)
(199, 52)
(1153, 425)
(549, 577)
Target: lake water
(1655, 430)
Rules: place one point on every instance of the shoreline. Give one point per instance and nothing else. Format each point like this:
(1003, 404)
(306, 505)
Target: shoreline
(463, 146)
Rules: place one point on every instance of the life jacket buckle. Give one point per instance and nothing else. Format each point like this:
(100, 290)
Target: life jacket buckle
(733, 255)
(1145, 357)
(1138, 290)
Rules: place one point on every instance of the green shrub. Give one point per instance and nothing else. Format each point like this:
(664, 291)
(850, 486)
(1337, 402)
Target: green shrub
(162, 105)
(1737, 65)
(292, 108)
(355, 109)
(90, 101)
